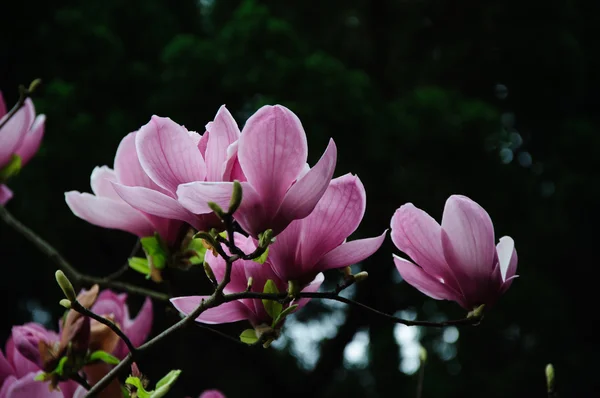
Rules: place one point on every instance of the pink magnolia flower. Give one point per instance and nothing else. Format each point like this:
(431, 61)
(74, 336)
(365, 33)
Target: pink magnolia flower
(212, 394)
(20, 136)
(246, 309)
(318, 242)
(458, 260)
(279, 187)
(106, 209)
(171, 155)
(27, 387)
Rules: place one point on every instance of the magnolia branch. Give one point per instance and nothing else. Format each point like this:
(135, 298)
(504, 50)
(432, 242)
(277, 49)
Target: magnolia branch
(67, 268)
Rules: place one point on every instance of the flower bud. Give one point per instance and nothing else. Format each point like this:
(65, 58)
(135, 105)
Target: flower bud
(236, 197)
(216, 209)
(209, 273)
(361, 276)
(249, 285)
(65, 285)
(65, 303)
(550, 381)
(27, 341)
(34, 85)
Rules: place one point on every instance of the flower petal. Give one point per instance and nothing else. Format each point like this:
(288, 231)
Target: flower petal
(127, 165)
(311, 288)
(2, 112)
(272, 152)
(168, 154)
(350, 253)
(507, 257)
(101, 182)
(14, 131)
(232, 170)
(5, 369)
(223, 132)
(108, 213)
(232, 311)
(425, 283)
(195, 196)
(155, 203)
(139, 328)
(27, 387)
(5, 194)
(303, 196)
(468, 241)
(418, 235)
(32, 140)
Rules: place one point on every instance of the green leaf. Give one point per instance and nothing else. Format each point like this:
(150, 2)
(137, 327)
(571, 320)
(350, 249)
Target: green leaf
(137, 383)
(104, 357)
(164, 384)
(140, 265)
(272, 307)
(154, 248)
(60, 368)
(12, 168)
(284, 313)
(41, 377)
(248, 336)
(197, 246)
(263, 257)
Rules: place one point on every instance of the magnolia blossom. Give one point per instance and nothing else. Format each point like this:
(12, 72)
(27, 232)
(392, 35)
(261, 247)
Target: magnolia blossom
(458, 260)
(20, 139)
(105, 208)
(278, 185)
(171, 155)
(246, 309)
(318, 242)
(212, 394)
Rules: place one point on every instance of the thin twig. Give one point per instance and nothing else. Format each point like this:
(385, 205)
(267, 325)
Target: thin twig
(80, 380)
(76, 306)
(67, 268)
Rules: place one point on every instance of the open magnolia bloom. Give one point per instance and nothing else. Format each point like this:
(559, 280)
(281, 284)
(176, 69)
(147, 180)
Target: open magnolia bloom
(259, 313)
(278, 185)
(458, 260)
(20, 139)
(318, 242)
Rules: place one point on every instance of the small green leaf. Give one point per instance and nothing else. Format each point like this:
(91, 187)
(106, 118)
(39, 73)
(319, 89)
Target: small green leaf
(41, 377)
(140, 265)
(60, 368)
(284, 313)
(199, 248)
(154, 248)
(104, 357)
(125, 392)
(263, 257)
(164, 384)
(248, 336)
(140, 390)
(272, 307)
(12, 168)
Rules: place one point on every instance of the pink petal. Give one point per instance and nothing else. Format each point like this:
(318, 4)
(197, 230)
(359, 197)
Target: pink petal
(203, 144)
(155, 203)
(351, 252)
(272, 152)
(232, 311)
(418, 235)
(108, 213)
(28, 387)
(168, 154)
(285, 252)
(212, 394)
(14, 131)
(5, 369)
(425, 283)
(232, 170)
(139, 328)
(32, 140)
(304, 195)
(195, 196)
(101, 181)
(2, 110)
(335, 217)
(223, 132)
(127, 165)
(507, 257)
(468, 241)
(312, 287)
(251, 215)
(5, 194)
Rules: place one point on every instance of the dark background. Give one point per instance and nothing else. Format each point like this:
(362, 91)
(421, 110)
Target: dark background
(495, 100)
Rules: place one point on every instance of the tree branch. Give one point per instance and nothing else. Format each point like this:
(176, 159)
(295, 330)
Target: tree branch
(67, 268)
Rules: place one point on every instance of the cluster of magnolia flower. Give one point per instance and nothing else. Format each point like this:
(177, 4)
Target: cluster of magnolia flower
(168, 182)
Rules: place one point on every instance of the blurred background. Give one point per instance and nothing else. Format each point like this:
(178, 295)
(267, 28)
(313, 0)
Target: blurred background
(424, 98)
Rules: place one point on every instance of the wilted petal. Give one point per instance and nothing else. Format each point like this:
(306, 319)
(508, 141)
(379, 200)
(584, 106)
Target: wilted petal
(101, 181)
(418, 235)
(155, 203)
(232, 311)
(422, 281)
(14, 131)
(351, 252)
(195, 196)
(223, 132)
(468, 241)
(32, 140)
(108, 213)
(168, 154)
(303, 196)
(5, 194)
(272, 152)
